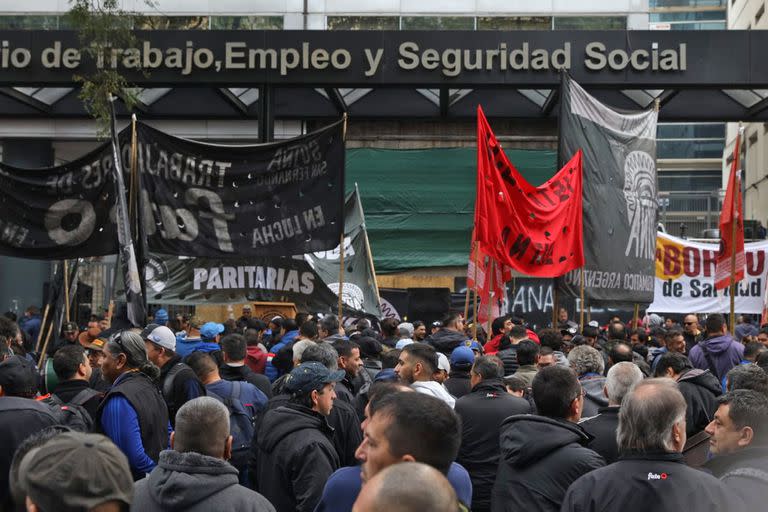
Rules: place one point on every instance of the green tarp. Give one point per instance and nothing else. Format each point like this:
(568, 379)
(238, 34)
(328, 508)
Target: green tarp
(419, 204)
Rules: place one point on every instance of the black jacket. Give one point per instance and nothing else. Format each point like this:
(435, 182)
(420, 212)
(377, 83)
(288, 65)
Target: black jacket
(508, 356)
(293, 457)
(458, 383)
(186, 386)
(245, 374)
(69, 389)
(603, 428)
(648, 483)
(540, 458)
(745, 473)
(345, 391)
(445, 340)
(19, 417)
(482, 412)
(97, 381)
(700, 389)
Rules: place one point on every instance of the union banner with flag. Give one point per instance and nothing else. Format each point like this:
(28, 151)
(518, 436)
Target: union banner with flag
(730, 258)
(537, 231)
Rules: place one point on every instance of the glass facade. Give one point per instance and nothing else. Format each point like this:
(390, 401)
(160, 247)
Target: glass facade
(61, 22)
(476, 22)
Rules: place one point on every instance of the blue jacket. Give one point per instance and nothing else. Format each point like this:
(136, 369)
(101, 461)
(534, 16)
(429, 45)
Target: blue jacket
(185, 346)
(269, 370)
(32, 327)
(344, 485)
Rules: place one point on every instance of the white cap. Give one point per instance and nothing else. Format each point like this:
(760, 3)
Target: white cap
(163, 337)
(443, 363)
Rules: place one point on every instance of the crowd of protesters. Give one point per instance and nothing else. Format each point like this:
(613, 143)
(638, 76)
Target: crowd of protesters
(303, 414)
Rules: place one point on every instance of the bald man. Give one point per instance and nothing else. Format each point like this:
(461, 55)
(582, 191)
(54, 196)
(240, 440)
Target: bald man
(407, 487)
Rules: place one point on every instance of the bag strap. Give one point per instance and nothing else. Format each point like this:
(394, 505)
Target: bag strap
(83, 396)
(710, 362)
(235, 393)
(170, 379)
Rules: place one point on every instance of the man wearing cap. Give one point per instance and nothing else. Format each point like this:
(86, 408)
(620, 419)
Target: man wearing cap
(69, 335)
(458, 383)
(161, 317)
(178, 382)
(89, 473)
(293, 452)
(210, 333)
(20, 416)
(95, 352)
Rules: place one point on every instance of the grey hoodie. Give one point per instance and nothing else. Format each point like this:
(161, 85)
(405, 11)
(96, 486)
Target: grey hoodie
(434, 388)
(194, 482)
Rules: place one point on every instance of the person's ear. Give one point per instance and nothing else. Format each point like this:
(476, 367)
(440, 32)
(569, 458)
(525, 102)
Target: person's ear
(31, 507)
(746, 435)
(228, 448)
(173, 438)
(670, 373)
(678, 435)
(605, 391)
(407, 458)
(315, 397)
(418, 369)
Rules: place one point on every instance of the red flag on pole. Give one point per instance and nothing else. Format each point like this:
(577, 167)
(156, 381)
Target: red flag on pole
(732, 212)
(479, 279)
(534, 230)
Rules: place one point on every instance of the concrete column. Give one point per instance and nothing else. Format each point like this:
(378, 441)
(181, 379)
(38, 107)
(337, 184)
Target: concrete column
(22, 280)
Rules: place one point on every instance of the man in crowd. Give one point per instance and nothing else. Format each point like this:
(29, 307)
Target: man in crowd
(589, 365)
(194, 474)
(508, 354)
(747, 376)
(674, 341)
(546, 358)
(450, 335)
(328, 329)
(699, 388)
(482, 412)
(762, 336)
(293, 452)
(621, 377)
(527, 355)
(206, 339)
(160, 317)
(20, 414)
(32, 321)
(233, 349)
(74, 371)
(246, 315)
(499, 327)
(459, 380)
(76, 471)
(416, 367)
(554, 340)
(719, 352)
(69, 336)
(419, 331)
(352, 364)
(400, 427)
(745, 328)
(542, 455)
(400, 488)
(739, 441)
(651, 473)
(178, 382)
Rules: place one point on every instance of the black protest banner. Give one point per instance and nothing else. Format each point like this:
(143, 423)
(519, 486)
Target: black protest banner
(61, 212)
(214, 201)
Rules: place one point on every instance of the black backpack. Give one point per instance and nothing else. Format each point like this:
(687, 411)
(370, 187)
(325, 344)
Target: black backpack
(241, 425)
(73, 414)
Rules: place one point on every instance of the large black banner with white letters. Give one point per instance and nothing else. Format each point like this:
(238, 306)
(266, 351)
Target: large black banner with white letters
(214, 201)
(60, 212)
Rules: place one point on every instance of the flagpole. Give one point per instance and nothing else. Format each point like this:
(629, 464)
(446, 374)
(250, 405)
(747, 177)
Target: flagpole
(368, 244)
(581, 290)
(466, 295)
(734, 222)
(134, 175)
(554, 303)
(636, 314)
(341, 241)
(490, 299)
(66, 290)
(474, 310)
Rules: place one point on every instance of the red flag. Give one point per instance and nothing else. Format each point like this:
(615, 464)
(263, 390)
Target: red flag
(479, 271)
(732, 212)
(535, 230)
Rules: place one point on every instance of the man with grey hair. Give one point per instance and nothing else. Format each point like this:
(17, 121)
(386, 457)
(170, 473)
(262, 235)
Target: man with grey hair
(651, 474)
(194, 474)
(621, 377)
(747, 376)
(401, 488)
(589, 366)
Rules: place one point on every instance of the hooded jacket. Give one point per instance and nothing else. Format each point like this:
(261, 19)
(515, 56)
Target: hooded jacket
(745, 473)
(434, 388)
(482, 412)
(648, 482)
(293, 457)
(594, 398)
(700, 389)
(194, 482)
(724, 351)
(255, 358)
(540, 458)
(445, 340)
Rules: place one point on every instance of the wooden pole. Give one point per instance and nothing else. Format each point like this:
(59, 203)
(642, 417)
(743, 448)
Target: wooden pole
(490, 300)
(134, 180)
(581, 289)
(66, 290)
(45, 346)
(466, 297)
(589, 314)
(368, 245)
(42, 327)
(732, 318)
(636, 315)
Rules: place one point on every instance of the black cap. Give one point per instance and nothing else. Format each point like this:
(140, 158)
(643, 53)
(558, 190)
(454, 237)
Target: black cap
(148, 330)
(18, 377)
(70, 327)
(310, 376)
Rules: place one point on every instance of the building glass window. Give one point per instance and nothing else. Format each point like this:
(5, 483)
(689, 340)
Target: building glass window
(173, 23)
(438, 23)
(246, 22)
(363, 22)
(590, 23)
(654, 4)
(514, 23)
(694, 148)
(688, 16)
(29, 22)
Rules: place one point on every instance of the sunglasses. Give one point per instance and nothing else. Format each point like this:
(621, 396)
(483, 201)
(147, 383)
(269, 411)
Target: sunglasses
(688, 323)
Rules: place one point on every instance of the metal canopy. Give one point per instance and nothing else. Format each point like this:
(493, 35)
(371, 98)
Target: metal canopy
(714, 76)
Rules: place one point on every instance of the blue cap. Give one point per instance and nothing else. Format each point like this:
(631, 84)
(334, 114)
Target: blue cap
(310, 376)
(462, 356)
(161, 316)
(475, 345)
(210, 330)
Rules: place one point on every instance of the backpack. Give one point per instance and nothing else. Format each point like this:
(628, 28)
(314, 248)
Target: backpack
(241, 425)
(72, 414)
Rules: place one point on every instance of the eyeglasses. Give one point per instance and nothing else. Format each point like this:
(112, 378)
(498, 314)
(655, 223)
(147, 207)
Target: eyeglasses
(688, 323)
(119, 341)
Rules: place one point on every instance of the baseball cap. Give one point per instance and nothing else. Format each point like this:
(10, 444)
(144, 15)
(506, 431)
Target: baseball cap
(163, 337)
(569, 330)
(442, 362)
(437, 323)
(311, 375)
(70, 327)
(210, 330)
(401, 344)
(18, 376)
(161, 316)
(97, 344)
(593, 323)
(89, 471)
(462, 356)
(475, 345)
